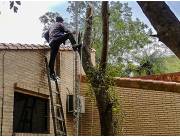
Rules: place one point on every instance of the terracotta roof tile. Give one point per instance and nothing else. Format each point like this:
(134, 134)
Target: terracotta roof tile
(11, 46)
(19, 46)
(3, 46)
(28, 46)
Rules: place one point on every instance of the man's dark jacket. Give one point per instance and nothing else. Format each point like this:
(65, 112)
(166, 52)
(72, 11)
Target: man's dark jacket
(55, 32)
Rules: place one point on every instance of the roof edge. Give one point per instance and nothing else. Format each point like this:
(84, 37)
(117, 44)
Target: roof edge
(19, 46)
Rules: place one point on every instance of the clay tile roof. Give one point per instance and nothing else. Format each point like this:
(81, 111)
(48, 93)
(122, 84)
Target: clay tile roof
(65, 47)
(19, 46)
(28, 46)
(12, 46)
(4, 46)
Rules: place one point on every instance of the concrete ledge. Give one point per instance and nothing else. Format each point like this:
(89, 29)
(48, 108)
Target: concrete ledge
(20, 88)
(148, 84)
(32, 134)
(172, 77)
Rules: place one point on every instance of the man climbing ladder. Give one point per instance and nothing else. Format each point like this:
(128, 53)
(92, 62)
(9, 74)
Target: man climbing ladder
(55, 36)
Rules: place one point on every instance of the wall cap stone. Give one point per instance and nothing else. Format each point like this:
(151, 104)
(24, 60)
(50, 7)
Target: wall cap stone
(144, 84)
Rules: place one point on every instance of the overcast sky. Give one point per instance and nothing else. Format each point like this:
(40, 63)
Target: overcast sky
(25, 27)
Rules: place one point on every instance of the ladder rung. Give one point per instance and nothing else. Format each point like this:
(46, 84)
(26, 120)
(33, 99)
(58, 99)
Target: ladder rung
(60, 119)
(58, 105)
(57, 109)
(56, 92)
(61, 132)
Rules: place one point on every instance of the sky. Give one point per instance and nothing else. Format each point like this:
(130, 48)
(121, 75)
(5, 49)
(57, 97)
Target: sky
(24, 27)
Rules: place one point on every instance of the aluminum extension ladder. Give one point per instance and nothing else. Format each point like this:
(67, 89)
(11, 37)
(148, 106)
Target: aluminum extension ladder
(56, 107)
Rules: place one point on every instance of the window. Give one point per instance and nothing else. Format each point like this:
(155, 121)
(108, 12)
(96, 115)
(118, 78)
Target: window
(30, 114)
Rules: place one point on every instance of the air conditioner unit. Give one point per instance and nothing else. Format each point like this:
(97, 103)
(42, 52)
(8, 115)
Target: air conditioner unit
(70, 104)
(82, 104)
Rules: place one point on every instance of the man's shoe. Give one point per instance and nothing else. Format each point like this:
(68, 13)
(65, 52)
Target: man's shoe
(54, 77)
(76, 47)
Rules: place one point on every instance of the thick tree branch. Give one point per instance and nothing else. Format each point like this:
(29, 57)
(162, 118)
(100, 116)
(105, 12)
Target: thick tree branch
(86, 49)
(165, 23)
(105, 31)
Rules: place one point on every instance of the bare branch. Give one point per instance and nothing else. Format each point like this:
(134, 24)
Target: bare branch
(86, 49)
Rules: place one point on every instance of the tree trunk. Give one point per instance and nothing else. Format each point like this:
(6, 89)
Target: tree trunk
(106, 121)
(104, 107)
(97, 77)
(105, 31)
(165, 23)
(102, 96)
(86, 49)
(104, 103)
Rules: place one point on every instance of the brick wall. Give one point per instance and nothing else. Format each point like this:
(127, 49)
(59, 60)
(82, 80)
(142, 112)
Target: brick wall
(67, 67)
(148, 107)
(24, 71)
(150, 112)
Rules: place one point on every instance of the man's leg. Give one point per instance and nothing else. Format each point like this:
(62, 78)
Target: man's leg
(72, 40)
(54, 51)
(68, 36)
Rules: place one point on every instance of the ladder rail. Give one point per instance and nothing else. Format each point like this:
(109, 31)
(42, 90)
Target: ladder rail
(56, 109)
(51, 97)
(60, 103)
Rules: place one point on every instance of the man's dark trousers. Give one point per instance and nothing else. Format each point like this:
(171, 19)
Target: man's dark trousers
(55, 48)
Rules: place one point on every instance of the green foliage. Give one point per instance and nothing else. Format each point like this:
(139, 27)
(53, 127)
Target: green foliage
(172, 64)
(156, 63)
(126, 35)
(126, 38)
(150, 65)
(80, 8)
(116, 70)
(150, 60)
(99, 80)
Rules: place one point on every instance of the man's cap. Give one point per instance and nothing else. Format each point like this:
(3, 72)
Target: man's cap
(59, 19)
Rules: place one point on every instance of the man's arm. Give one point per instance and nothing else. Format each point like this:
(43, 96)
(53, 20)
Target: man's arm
(46, 36)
